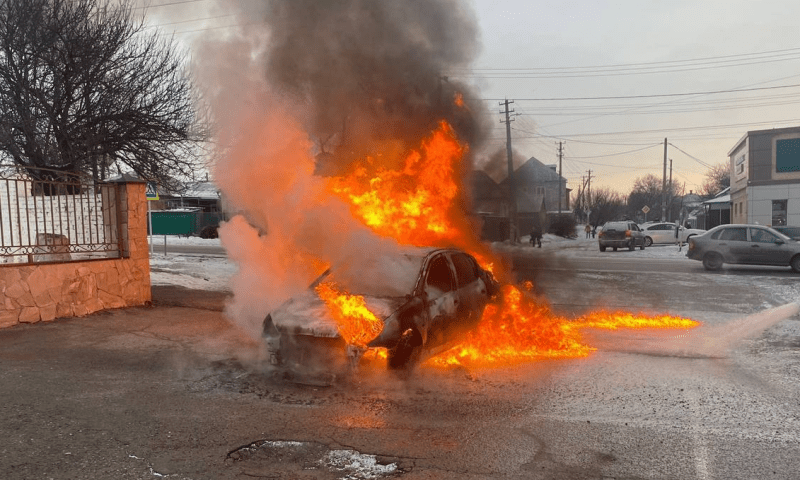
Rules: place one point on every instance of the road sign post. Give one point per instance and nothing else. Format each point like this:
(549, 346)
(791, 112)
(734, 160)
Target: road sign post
(151, 193)
(645, 209)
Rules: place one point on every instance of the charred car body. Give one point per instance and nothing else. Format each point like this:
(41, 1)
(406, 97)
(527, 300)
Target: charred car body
(431, 298)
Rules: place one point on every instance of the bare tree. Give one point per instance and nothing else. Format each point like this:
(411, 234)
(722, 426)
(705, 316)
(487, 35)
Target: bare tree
(84, 88)
(606, 205)
(717, 178)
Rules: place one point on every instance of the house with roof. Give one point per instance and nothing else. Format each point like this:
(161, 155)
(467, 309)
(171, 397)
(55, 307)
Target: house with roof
(537, 193)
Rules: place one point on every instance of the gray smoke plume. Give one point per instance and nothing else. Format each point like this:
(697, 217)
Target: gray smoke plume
(372, 72)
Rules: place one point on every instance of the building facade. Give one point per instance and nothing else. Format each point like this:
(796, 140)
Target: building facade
(765, 177)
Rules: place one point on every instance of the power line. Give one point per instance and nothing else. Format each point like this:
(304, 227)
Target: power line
(664, 62)
(658, 95)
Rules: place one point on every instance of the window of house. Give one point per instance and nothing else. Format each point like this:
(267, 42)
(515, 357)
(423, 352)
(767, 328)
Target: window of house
(779, 212)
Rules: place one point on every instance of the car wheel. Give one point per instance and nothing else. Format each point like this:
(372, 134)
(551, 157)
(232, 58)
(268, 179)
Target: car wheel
(615, 249)
(795, 263)
(648, 241)
(641, 247)
(406, 353)
(602, 248)
(632, 245)
(712, 261)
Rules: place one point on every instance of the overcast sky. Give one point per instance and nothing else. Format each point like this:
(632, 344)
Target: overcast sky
(555, 58)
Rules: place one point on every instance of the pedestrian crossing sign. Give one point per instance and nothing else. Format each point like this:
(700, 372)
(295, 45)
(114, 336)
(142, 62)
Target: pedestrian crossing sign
(150, 191)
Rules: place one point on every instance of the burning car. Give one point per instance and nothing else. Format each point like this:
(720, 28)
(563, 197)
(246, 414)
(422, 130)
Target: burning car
(414, 304)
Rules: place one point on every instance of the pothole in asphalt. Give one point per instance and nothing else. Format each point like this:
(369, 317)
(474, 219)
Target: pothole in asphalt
(289, 459)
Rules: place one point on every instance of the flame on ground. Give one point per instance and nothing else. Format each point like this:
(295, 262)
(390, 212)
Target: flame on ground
(519, 329)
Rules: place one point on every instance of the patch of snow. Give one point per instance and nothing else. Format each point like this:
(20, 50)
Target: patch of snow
(192, 271)
(357, 465)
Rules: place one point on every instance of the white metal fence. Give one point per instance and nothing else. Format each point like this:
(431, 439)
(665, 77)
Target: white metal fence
(45, 221)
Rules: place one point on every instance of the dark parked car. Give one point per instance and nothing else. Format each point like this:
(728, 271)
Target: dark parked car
(424, 298)
(744, 244)
(624, 234)
(791, 232)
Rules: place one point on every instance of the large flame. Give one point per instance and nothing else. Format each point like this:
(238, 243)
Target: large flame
(416, 203)
(413, 203)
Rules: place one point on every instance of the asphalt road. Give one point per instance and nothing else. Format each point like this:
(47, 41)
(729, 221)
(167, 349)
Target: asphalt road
(173, 391)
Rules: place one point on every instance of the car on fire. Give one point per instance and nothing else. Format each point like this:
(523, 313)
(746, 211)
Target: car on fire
(620, 234)
(664, 232)
(424, 298)
(744, 244)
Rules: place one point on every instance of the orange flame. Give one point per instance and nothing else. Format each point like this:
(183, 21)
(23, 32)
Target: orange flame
(412, 205)
(356, 324)
(459, 99)
(519, 329)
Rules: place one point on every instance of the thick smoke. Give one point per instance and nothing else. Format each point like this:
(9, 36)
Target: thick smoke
(321, 84)
(373, 73)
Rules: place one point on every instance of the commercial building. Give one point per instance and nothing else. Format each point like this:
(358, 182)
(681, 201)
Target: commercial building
(765, 177)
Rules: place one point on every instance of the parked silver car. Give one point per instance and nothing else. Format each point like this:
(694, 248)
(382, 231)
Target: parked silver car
(664, 232)
(620, 234)
(424, 299)
(744, 244)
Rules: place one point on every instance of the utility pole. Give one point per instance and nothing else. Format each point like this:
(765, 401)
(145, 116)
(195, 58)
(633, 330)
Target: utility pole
(560, 154)
(589, 197)
(664, 186)
(669, 211)
(512, 190)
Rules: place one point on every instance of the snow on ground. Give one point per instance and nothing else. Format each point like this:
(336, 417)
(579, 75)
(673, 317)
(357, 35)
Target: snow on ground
(196, 271)
(209, 272)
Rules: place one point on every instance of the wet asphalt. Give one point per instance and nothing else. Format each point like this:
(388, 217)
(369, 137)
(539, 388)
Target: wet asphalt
(173, 391)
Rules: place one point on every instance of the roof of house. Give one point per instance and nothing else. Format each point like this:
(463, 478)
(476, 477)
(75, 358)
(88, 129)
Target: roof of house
(534, 171)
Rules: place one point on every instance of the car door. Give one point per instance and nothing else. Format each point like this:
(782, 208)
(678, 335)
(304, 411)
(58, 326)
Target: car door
(733, 245)
(659, 233)
(441, 299)
(768, 248)
(472, 293)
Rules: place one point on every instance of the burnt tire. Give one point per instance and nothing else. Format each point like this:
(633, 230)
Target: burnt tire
(795, 264)
(647, 242)
(712, 261)
(406, 353)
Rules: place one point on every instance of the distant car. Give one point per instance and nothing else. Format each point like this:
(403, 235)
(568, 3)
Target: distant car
(622, 234)
(744, 244)
(791, 232)
(425, 298)
(664, 232)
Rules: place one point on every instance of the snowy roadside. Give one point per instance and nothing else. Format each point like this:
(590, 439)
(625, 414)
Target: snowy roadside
(199, 272)
(196, 272)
